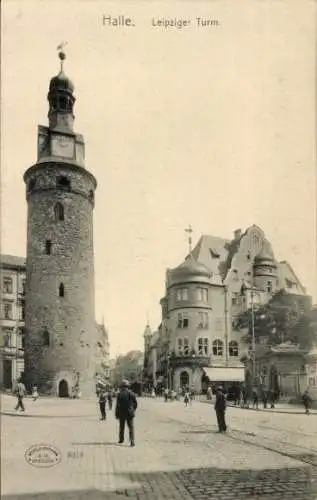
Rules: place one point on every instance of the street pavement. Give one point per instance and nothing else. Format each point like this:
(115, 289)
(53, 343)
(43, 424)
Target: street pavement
(178, 455)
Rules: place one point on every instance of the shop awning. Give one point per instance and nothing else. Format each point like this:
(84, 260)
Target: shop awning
(225, 374)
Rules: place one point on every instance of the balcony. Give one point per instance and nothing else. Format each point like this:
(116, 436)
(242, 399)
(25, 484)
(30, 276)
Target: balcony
(189, 360)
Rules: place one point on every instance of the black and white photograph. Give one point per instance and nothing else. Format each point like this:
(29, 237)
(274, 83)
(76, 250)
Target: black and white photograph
(158, 266)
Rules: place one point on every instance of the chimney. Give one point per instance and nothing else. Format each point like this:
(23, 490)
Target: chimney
(237, 234)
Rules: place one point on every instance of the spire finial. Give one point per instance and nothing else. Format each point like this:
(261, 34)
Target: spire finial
(147, 318)
(61, 53)
(189, 230)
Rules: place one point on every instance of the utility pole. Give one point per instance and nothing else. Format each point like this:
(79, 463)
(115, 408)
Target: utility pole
(226, 325)
(253, 329)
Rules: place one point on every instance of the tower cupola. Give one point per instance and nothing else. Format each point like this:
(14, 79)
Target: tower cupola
(61, 100)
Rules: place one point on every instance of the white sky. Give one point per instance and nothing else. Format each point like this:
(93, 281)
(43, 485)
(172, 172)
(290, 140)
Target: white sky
(209, 126)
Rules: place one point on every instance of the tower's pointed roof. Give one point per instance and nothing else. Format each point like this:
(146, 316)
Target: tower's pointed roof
(61, 82)
(190, 270)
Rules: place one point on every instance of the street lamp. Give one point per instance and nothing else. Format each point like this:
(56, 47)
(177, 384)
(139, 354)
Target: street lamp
(168, 370)
(243, 290)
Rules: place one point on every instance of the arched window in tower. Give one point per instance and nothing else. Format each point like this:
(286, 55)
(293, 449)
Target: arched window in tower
(61, 290)
(59, 212)
(233, 348)
(269, 287)
(217, 347)
(46, 338)
(63, 182)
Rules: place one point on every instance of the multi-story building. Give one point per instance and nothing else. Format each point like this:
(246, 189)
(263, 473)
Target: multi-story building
(197, 342)
(12, 275)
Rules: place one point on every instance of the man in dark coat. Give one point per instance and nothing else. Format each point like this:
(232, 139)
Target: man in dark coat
(125, 411)
(220, 408)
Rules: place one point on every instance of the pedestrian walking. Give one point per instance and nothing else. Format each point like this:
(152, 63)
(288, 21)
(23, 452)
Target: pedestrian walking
(35, 394)
(220, 408)
(125, 411)
(186, 398)
(102, 404)
(307, 400)
(20, 392)
(272, 398)
(109, 398)
(166, 395)
(264, 399)
(255, 399)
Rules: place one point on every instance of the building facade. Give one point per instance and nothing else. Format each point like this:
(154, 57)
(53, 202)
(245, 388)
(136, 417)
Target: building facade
(198, 343)
(12, 276)
(60, 311)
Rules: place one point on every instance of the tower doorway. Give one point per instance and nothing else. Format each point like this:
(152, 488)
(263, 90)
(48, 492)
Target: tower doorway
(63, 389)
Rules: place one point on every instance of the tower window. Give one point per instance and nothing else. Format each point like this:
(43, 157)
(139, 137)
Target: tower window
(59, 212)
(48, 247)
(61, 290)
(91, 195)
(62, 103)
(46, 338)
(32, 184)
(269, 286)
(63, 182)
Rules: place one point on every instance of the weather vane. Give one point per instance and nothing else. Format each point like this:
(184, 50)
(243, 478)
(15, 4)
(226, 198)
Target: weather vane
(61, 53)
(189, 230)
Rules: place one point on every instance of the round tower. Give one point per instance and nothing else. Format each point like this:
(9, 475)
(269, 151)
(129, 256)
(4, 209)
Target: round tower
(60, 309)
(265, 269)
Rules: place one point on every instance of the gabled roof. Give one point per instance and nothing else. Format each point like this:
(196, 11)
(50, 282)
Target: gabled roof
(212, 251)
(288, 280)
(12, 261)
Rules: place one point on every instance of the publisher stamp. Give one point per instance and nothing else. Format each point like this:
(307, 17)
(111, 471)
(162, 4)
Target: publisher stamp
(43, 455)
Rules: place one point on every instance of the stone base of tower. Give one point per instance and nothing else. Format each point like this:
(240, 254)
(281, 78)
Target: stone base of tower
(63, 384)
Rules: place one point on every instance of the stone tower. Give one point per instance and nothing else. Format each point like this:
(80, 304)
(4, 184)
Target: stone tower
(60, 310)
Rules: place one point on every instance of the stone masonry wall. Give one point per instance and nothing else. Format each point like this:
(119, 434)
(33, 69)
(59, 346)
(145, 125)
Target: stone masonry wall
(69, 321)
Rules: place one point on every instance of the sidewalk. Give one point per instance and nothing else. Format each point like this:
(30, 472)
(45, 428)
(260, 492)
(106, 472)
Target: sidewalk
(279, 407)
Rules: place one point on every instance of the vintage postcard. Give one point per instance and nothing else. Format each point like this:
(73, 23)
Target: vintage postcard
(158, 250)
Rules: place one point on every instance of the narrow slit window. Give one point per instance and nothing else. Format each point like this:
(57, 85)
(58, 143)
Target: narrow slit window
(59, 212)
(61, 290)
(48, 247)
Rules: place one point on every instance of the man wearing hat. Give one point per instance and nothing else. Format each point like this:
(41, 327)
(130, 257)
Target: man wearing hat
(220, 408)
(125, 411)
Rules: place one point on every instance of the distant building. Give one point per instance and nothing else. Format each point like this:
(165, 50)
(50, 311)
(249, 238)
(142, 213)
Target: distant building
(12, 276)
(102, 354)
(197, 343)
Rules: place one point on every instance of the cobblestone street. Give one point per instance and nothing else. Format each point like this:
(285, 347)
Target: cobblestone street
(178, 453)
